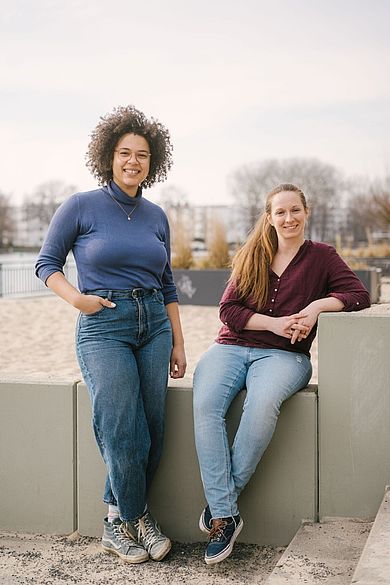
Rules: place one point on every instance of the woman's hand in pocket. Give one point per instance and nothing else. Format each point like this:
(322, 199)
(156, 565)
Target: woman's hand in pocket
(89, 304)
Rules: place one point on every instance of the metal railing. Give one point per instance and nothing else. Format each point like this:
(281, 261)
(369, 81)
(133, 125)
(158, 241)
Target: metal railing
(18, 279)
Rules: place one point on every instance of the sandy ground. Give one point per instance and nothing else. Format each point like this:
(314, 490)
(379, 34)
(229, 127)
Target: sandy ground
(37, 343)
(37, 338)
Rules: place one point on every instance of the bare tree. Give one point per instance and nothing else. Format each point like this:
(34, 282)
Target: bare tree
(381, 211)
(368, 207)
(320, 181)
(361, 219)
(175, 202)
(45, 200)
(6, 222)
(249, 185)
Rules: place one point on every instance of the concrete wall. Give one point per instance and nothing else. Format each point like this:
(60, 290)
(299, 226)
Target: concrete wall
(205, 287)
(37, 456)
(51, 474)
(281, 493)
(200, 287)
(354, 411)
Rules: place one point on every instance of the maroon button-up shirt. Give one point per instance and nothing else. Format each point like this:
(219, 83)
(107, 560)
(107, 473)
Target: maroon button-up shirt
(316, 272)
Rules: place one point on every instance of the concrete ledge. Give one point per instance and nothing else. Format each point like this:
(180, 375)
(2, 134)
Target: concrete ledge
(374, 564)
(354, 411)
(37, 448)
(322, 553)
(282, 492)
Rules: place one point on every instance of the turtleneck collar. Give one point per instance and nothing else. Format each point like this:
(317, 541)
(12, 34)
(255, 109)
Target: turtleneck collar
(115, 191)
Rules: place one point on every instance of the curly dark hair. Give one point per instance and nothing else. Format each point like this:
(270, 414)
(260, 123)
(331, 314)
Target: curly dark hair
(125, 120)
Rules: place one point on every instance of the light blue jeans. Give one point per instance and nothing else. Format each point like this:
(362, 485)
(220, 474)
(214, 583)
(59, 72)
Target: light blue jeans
(270, 376)
(124, 358)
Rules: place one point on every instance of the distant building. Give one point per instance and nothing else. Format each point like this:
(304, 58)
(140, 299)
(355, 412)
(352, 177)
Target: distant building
(231, 217)
(199, 220)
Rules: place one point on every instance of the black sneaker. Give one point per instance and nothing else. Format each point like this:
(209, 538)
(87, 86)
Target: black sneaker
(149, 535)
(117, 540)
(223, 534)
(205, 521)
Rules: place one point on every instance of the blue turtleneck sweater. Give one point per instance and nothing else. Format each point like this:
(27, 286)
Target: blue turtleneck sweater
(110, 251)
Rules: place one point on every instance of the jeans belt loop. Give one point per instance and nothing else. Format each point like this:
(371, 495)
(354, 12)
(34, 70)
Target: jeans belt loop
(109, 296)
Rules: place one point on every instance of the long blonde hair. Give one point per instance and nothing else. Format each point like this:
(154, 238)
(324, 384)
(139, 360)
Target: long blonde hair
(250, 265)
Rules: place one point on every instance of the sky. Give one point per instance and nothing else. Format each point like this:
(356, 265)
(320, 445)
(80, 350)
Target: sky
(235, 83)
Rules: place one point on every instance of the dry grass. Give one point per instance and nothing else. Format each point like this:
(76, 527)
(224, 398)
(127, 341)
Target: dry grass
(372, 251)
(181, 248)
(218, 246)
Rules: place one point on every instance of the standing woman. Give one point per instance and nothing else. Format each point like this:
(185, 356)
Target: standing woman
(279, 285)
(128, 330)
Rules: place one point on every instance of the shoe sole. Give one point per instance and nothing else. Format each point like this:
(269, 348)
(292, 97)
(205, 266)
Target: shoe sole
(125, 558)
(225, 553)
(162, 554)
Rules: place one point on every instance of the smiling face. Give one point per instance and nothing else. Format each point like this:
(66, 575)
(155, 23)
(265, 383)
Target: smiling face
(131, 162)
(288, 216)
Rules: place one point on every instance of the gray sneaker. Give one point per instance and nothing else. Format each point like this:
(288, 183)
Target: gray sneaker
(117, 540)
(148, 533)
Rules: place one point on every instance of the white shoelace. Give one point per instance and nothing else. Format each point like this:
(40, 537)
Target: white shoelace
(148, 531)
(123, 535)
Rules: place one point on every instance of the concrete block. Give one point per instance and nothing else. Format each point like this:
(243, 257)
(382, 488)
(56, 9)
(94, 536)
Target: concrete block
(281, 493)
(354, 412)
(374, 564)
(37, 448)
(324, 553)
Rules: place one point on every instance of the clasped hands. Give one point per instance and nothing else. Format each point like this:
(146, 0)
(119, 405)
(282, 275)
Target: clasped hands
(295, 327)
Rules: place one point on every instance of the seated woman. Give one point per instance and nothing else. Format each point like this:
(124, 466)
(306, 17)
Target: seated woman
(279, 285)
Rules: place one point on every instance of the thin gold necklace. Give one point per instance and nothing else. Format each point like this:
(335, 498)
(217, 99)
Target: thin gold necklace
(128, 215)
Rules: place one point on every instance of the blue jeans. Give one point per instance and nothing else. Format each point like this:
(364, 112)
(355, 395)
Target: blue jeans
(270, 376)
(124, 357)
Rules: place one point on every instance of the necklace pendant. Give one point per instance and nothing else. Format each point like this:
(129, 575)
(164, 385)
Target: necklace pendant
(128, 218)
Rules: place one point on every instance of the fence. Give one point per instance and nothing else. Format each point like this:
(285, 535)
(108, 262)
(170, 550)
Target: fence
(18, 278)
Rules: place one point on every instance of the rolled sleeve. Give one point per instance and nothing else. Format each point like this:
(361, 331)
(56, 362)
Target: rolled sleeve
(232, 312)
(343, 284)
(355, 301)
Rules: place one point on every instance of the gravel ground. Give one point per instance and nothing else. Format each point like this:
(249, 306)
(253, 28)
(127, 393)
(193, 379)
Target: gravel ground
(58, 560)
